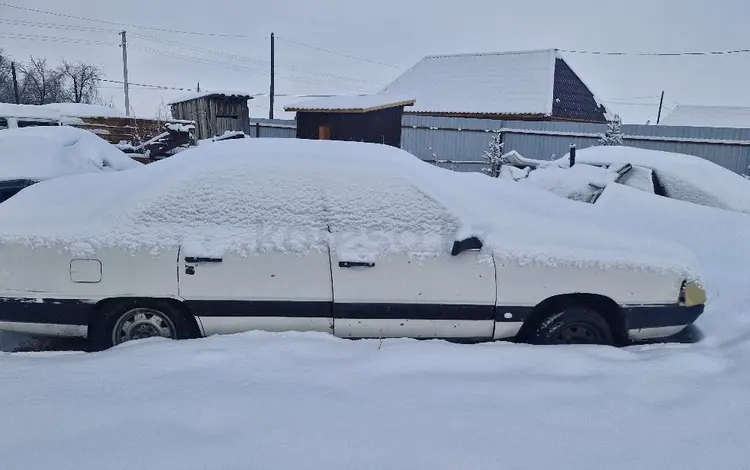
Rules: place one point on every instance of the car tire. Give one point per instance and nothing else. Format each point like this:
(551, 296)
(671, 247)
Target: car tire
(574, 325)
(136, 319)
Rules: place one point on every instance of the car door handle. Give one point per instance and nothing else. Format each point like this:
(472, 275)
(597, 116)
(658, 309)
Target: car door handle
(198, 259)
(355, 264)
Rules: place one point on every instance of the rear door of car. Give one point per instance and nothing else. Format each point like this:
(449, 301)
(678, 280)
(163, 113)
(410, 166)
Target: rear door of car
(393, 271)
(280, 280)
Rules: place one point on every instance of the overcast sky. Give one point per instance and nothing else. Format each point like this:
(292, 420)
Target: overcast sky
(399, 33)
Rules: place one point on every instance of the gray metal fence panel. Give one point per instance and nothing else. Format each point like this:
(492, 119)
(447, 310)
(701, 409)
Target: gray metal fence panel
(460, 140)
(273, 128)
(459, 143)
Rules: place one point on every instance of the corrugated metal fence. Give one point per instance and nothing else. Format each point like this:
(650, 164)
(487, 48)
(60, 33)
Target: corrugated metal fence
(273, 128)
(462, 141)
(459, 143)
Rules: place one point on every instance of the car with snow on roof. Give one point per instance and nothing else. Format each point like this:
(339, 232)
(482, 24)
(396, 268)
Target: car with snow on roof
(677, 176)
(356, 240)
(32, 154)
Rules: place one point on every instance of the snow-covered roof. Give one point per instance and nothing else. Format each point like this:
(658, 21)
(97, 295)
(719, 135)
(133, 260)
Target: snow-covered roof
(57, 111)
(351, 104)
(205, 94)
(40, 153)
(251, 195)
(685, 177)
(708, 116)
(522, 83)
(494, 83)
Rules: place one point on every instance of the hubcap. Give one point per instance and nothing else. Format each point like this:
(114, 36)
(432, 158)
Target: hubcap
(577, 333)
(143, 323)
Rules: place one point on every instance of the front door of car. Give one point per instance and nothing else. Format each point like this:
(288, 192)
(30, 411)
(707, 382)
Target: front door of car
(277, 276)
(393, 271)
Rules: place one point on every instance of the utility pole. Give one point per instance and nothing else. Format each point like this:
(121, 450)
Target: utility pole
(661, 103)
(125, 72)
(15, 82)
(273, 62)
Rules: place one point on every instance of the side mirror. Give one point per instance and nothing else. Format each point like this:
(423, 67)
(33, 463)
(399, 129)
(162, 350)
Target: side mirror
(471, 243)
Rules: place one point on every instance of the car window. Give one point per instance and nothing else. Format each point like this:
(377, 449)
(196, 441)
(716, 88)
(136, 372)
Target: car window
(385, 203)
(270, 199)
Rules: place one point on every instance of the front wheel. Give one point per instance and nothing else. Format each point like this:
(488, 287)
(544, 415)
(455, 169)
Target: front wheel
(130, 320)
(576, 325)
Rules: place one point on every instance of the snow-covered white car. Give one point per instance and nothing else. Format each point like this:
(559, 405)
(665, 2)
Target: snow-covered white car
(32, 154)
(356, 240)
(678, 176)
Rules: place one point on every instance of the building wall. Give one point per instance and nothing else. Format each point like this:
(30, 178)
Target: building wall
(214, 115)
(381, 127)
(572, 99)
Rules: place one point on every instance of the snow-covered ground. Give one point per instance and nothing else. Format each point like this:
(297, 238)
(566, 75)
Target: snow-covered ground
(278, 401)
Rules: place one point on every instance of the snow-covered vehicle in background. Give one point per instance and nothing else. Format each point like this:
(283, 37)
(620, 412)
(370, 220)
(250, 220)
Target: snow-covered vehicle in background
(356, 240)
(677, 176)
(32, 154)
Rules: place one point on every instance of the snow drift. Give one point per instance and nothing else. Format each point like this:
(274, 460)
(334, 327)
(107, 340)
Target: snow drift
(41, 153)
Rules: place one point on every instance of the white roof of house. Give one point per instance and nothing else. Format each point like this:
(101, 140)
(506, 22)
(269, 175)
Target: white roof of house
(353, 103)
(203, 94)
(708, 116)
(512, 83)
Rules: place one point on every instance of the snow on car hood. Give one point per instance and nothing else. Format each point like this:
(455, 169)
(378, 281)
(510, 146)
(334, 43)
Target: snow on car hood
(41, 153)
(685, 177)
(275, 194)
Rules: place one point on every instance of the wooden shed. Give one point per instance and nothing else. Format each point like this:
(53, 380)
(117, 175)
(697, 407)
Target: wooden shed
(214, 112)
(362, 118)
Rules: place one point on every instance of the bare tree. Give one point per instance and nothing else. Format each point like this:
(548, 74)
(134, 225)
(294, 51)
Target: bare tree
(6, 81)
(80, 82)
(41, 84)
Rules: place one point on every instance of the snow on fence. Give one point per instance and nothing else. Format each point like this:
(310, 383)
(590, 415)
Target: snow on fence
(459, 143)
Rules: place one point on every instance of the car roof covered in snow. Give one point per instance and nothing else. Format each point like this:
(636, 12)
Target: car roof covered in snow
(685, 177)
(283, 194)
(40, 153)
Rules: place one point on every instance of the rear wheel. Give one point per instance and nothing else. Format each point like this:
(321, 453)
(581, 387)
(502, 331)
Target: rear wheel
(132, 320)
(574, 325)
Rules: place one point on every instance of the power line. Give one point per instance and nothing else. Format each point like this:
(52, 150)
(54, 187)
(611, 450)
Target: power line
(623, 103)
(34, 37)
(342, 54)
(658, 54)
(200, 60)
(625, 98)
(241, 68)
(249, 59)
(144, 85)
(38, 24)
(117, 23)
(97, 42)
